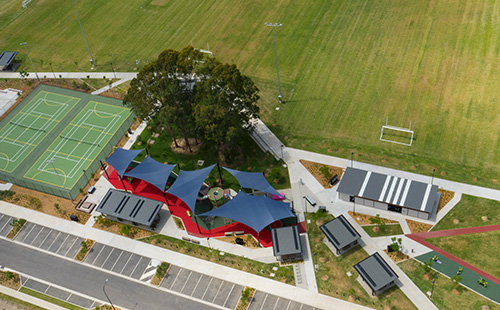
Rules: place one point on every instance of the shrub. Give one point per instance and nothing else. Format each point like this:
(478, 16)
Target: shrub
(4, 195)
(161, 270)
(326, 172)
(126, 229)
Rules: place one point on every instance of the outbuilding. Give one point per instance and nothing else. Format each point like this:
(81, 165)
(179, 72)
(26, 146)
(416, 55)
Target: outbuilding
(375, 275)
(7, 61)
(286, 243)
(340, 236)
(391, 193)
(126, 207)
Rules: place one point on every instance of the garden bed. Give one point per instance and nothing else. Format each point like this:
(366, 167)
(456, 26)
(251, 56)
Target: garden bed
(126, 230)
(10, 280)
(16, 224)
(322, 173)
(249, 240)
(446, 196)
(246, 298)
(383, 230)
(418, 227)
(161, 271)
(86, 246)
(365, 219)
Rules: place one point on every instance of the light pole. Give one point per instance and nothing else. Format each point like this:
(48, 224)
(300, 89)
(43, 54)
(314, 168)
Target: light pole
(51, 161)
(352, 160)
(114, 74)
(26, 48)
(432, 181)
(83, 33)
(104, 290)
(276, 58)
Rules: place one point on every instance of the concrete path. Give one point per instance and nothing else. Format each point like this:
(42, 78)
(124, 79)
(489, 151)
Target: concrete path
(71, 75)
(119, 82)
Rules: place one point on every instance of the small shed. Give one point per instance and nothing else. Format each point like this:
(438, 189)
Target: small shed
(125, 207)
(286, 243)
(340, 234)
(7, 61)
(375, 275)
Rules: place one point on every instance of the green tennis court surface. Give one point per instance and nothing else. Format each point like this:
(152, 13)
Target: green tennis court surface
(54, 135)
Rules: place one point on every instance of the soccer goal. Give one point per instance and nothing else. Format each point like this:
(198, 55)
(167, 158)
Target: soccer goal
(398, 135)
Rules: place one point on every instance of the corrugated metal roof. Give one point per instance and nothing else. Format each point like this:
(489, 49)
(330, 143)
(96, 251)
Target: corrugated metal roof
(389, 189)
(375, 271)
(6, 58)
(286, 240)
(340, 232)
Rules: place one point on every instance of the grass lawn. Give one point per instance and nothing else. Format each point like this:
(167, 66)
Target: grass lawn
(284, 274)
(254, 159)
(344, 67)
(479, 249)
(50, 299)
(387, 230)
(15, 304)
(469, 211)
(443, 297)
(332, 276)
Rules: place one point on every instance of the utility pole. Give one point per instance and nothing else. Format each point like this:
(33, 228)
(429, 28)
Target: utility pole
(83, 33)
(280, 98)
(26, 48)
(104, 290)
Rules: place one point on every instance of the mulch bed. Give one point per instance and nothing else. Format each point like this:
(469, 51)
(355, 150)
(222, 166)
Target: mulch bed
(315, 170)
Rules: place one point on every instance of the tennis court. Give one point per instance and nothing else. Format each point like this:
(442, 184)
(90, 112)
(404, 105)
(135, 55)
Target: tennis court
(55, 134)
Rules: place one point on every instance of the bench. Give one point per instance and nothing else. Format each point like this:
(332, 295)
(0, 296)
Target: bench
(310, 200)
(186, 239)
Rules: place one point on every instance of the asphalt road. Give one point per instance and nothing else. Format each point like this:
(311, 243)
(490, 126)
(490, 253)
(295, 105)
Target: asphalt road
(89, 281)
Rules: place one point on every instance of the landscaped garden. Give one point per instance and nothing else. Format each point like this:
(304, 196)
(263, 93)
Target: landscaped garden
(332, 277)
(471, 211)
(443, 295)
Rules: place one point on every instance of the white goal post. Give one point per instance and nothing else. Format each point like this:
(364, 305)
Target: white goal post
(400, 129)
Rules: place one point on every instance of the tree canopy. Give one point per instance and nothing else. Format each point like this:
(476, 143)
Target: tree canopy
(196, 95)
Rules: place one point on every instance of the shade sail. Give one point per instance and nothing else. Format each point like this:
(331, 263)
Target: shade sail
(153, 172)
(188, 184)
(121, 158)
(255, 180)
(254, 211)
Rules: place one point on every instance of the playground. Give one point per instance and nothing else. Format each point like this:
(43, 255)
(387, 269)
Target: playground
(55, 135)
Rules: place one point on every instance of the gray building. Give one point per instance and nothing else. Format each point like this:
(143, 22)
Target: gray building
(125, 207)
(375, 275)
(391, 193)
(340, 234)
(286, 243)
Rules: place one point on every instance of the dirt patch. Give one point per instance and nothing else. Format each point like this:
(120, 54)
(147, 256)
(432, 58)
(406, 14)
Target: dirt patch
(10, 280)
(364, 219)
(325, 277)
(52, 205)
(484, 218)
(249, 240)
(322, 173)
(417, 227)
(427, 276)
(456, 221)
(397, 256)
(183, 149)
(322, 259)
(446, 196)
(455, 292)
(376, 229)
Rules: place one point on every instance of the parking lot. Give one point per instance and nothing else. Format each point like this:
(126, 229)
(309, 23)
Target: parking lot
(202, 287)
(119, 261)
(5, 226)
(58, 293)
(49, 239)
(264, 301)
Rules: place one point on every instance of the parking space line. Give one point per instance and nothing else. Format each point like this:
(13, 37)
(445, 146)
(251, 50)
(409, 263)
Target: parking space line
(128, 260)
(289, 303)
(70, 294)
(222, 282)
(4, 224)
(32, 226)
(136, 266)
(7, 223)
(69, 248)
(53, 241)
(207, 288)
(112, 249)
(46, 237)
(301, 305)
(176, 276)
(189, 276)
(116, 261)
(61, 244)
(37, 235)
(225, 301)
(276, 303)
(102, 248)
(265, 298)
(196, 285)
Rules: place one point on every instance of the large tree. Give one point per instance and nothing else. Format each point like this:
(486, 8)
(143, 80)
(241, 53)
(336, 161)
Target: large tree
(197, 94)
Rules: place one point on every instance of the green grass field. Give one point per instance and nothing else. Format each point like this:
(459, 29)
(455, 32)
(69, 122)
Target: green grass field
(344, 65)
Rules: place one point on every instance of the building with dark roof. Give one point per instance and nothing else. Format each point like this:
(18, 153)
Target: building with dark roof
(286, 243)
(375, 274)
(391, 193)
(6, 60)
(125, 207)
(340, 234)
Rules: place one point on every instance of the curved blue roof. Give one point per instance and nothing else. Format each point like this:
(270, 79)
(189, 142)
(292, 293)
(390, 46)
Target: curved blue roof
(188, 184)
(254, 211)
(121, 158)
(255, 180)
(152, 171)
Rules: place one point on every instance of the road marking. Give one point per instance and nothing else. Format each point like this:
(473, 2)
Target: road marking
(265, 298)
(218, 291)
(301, 305)
(33, 226)
(288, 306)
(116, 261)
(185, 282)
(7, 223)
(176, 276)
(53, 241)
(196, 286)
(112, 249)
(141, 257)
(277, 300)
(37, 235)
(102, 248)
(225, 301)
(69, 248)
(207, 288)
(126, 263)
(50, 230)
(61, 244)
(148, 274)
